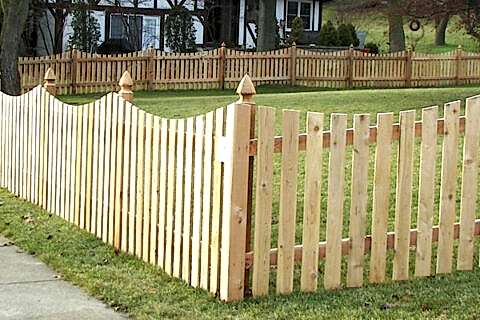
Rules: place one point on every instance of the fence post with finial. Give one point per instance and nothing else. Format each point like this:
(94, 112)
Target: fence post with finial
(293, 64)
(221, 66)
(73, 69)
(408, 67)
(350, 67)
(236, 145)
(49, 82)
(150, 66)
(126, 87)
(458, 65)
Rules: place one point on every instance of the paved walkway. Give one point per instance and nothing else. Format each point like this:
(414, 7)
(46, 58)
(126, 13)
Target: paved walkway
(30, 290)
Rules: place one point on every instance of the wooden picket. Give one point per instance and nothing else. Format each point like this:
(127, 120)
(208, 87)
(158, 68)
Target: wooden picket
(80, 72)
(176, 192)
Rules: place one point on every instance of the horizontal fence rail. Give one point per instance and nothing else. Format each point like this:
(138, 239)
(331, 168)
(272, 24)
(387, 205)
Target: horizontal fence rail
(79, 72)
(221, 202)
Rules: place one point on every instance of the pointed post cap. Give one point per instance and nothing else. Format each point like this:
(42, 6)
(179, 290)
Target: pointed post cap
(49, 83)
(246, 90)
(126, 85)
(223, 45)
(50, 75)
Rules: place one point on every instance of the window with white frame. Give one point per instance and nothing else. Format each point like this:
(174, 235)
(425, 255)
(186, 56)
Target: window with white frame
(302, 9)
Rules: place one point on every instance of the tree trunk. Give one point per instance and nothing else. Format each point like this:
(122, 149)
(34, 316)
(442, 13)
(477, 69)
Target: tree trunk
(440, 30)
(14, 19)
(396, 34)
(265, 22)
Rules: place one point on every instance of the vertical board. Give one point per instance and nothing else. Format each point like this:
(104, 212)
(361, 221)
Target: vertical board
(336, 181)
(163, 192)
(469, 185)
(155, 190)
(403, 203)
(288, 201)
(207, 196)
(263, 201)
(172, 128)
(187, 203)
(217, 202)
(426, 192)
(359, 199)
(133, 181)
(147, 187)
(140, 182)
(381, 194)
(448, 188)
(119, 173)
(114, 162)
(197, 200)
(126, 196)
(177, 243)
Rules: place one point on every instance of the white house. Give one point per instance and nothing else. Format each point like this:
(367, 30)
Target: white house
(230, 21)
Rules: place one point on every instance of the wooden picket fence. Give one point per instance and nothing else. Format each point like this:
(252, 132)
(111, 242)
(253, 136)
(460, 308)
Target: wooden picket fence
(196, 196)
(79, 72)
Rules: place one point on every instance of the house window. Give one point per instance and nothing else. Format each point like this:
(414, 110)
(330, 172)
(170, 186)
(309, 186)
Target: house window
(302, 9)
(128, 28)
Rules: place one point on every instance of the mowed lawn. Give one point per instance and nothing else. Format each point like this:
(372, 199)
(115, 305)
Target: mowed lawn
(147, 293)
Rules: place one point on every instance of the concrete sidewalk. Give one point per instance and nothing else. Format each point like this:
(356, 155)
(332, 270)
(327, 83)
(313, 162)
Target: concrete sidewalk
(30, 290)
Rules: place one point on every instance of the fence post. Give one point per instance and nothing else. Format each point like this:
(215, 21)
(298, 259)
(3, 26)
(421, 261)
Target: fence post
(221, 66)
(235, 194)
(73, 69)
(408, 67)
(350, 67)
(126, 86)
(293, 64)
(458, 61)
(150, 67)
(49, 83)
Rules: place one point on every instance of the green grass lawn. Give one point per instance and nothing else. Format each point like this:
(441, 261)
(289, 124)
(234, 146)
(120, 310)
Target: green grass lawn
(147, 293)
(376, 27)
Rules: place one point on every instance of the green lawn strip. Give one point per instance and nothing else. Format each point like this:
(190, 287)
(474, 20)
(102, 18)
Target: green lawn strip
(145, 292)
(376, 26)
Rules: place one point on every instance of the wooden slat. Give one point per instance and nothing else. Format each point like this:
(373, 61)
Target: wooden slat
(448, 188)
(217, 201)
(101, 167)
(155, 190)
(126, 195)
(359, 200)
(207, 197)
(179, 185)
(336, 181)
(147, 187)
(403, 203)
(381, 193)
(78, 164)
(107, 173)
(187, 203)
(163, 192)
(133, 181)
(119, 174)
(140, 183)
(312, 201)
(469, 185)
(172, 128)
(426, 192)
(115, 160)
(197, 200)
(288, 201)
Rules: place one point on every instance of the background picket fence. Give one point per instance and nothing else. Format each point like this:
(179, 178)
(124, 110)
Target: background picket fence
(79, 72)
(196, 196)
